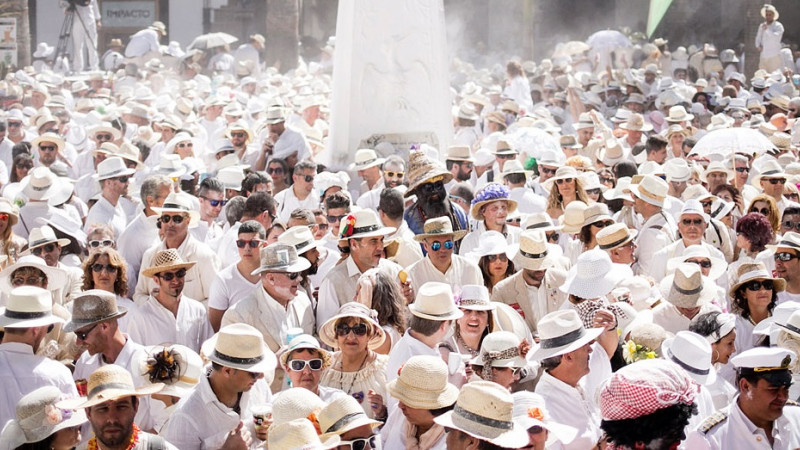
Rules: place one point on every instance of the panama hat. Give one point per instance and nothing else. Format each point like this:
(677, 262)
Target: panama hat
(594, 275)
(165, 260)
(295, 403)
(362, 224)
(562, 332)
(459, 153)
(28, 307)
(492, 192)
(651, 189)
(298, 434)
(240, 346)
(275, 114)
(170, 166)
(499, 349)
(327, 332)
(423, 170)
(484, 410)
(532, 251)
(341, 415)
(572, 219)
(179, 202)
(434, 301)
(562, 173)
(530, 411)
(515, 166)
(113, 167)
(437, 227)
(596, 212)
(790, 240)
(303, 342)
(56, 278)
(280, 257)
(105, 127)
(474, 297)
(42, 236)
(37, 185)
(109, 382)
(771, 8)
(636, 123)
(49, 137)
(423, 384)
(770, 169)
(91, 307)
(693, 353)
(38, 417)
(718, 266)
(178, 367)
(687, 287)
(754, 271)
(491, 243)
(678, 114)
(299, 237)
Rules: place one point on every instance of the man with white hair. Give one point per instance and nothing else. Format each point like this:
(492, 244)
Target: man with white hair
(659, 228)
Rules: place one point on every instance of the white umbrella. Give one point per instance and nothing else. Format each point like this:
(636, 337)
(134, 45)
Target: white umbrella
(211, 40)
(729, 141)
(608, 40)
(533, 141)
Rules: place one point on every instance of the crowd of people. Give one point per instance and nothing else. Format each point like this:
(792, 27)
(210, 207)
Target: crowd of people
(604, 258)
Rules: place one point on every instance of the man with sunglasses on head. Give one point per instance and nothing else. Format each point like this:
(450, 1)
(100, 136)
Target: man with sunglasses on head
(393, 176)
(440, 264)
(114, 177)
(211, 195)
(168, 315)
(301, 194)
(786, 255)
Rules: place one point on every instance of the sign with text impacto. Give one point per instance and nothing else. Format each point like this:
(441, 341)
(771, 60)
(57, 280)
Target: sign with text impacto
(139, 14)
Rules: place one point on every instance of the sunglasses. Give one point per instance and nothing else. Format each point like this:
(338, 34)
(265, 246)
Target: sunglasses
(103, 137)
(771, 180)
(690, 222)
(123, 180)
(602, 224)
(175, 219)
(593, 191)
(298, 365)
(214, 203)
(186, 145)
(30, 281)
(169, 276)
(278, 170)
(14, 124)
(97, 268)
(763, 211)
(291, 276)
(103, 243)
(743, 169)
(553, 237)
(429, 188)
(511, 156)
(82, 335)
(437, 245)
(395, 174)
(359, 329)
(238, 134)
(785, 256)
(307, 178)
(514, 220)
(502, 256)
(371, 442)
(565, 180)
(47, 248)
(334, 219)
(468, 165)
(788, 224)
(546, 170)
(253, 243)
(3, 216)
(52, 148)
(757, 285)
(322, 226)
(604, 180)
(704, 263)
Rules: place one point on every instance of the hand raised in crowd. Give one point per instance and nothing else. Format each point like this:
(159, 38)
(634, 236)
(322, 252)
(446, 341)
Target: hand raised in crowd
(238, 439)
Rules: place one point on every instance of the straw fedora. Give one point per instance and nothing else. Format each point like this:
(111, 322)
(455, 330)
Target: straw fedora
(636, 123)
(91, 307)
(515, 166)
(572, 219)
(530, 411)
(459, 153)
(56, 278)
(438, 227)
(594, 275)
(790, 241)
(240, 346)
(275, 114)
(540, 221)
(562, 332)
(651, 189)
(105, 127)
(343, 414)
(755, 271)
(678, 114)
(693, 353)
(615, 236)
(499, 349)
(422, 170)
(491, 243)
(687, 287)
(434, 301)
(28, 307)
(562, 173)
(532, 252)
(178, 367)
(42, 236)
(165, 260)
(159, 26)
(232, 176)
(503, 147)
(568, 141)
(38, 417)
(492, 192)
(596, 212)
(474, 297)
(677, 169)
(109, 382)
(299, 237)
(362, 224)
(609, 154)
(327, 332)
(791, 325)
(770, 169)
(49, 137)
(771, 8)
(301, 342)
(484, 410)
(37, 185)
(113, 167)
(718, 266)
(170, 166)
(422, 384)
(106, 148)
(298, 434)
(6, 207)
(366, 158)
(280, 257)
(295, 403)
(179, 202)
(621, 191)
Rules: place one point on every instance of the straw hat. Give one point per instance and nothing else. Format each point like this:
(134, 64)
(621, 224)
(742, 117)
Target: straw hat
(791, 325)
(621, 191)
(562, 332)
(298, 434)
(49, 137)
(692, 353)
(299, 237)
(56, 278)
(28, 307)
(178, 367)
(437, 227)
(459, 153)
(109, 382)
(363, 223)
(38, 417)
(568, 141)
(572, 219)
(651, 189)
(594, 275)
(307, 342)
(499, 349)
(295, 403)
(677, 169)
(532, 252)
(615, 236)
(113, 167)
(540, 221)
(755, 271)
(515, 166)
(327, 332)
(609, 154)
(231, 176)
(280, 257)
(770, 169)
(484, 410)
(492, 192)
(687, 287)
(6, 207)
(636, 123)
(422, 170)
(165, 260)
(42, 236)
(91, 307)
(240, 346)
(474, 297)
(466, 111)
(562, 173)
(434, 301)
(179, 202)
(596, 212)
(37, 185)
(718, 266)
(275, 114)
(790, 241)
(344, 414)
(422, 384)
(365, 158)
(503, 147)
(170, 166)
(159, 26)
(105, 127)
(678, 114)
(491, 243)
(771, 8)
(530, 411)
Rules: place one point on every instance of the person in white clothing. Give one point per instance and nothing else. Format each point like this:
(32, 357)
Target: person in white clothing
(490, 207)
(516, 178)
(145, 42)
(282, 142)
(84, 33)
(211, 194)
(768, 39)
(393, 172)
(113, 176)
(249, 55)
(787, 265)
(301, 194)
(344, 417)
(304, 362)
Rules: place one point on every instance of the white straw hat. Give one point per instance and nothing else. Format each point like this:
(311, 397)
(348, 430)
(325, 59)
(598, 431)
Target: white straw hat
(651, 189)
(718, 266)
(343, 414)
(327, 332)
(594, 275)
(693, 353)
(435, 302)
(240, 346)
(28, 307)
(687, 287)
(562, 332)
(530, 410)
(280, 257)
(109, 382)
(365, 158)
(500, 349)
(299, 237)
(42, 236)
(474, 297)
(422, 384)
(298, 434)
(295, 403)
(38, 417)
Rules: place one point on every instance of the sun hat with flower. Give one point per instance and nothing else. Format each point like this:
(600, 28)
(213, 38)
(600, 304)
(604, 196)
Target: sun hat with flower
(530, 411)
(492, 192)
(38, 417)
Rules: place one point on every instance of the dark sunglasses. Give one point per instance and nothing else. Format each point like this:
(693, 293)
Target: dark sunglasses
(298, 365)
(502, 256)
(507, 156)
(395, 174)
(185, 145)
(214, 203)
(743, 169)
(306, 178)
(763, 211)
(432, 187)
(82, 335)
(253, 243)
(30, 281)
(333, 219)
(514, 220)
(291, 276)
(553, 237)
(602, 224)
(362, 443)
(436, 245)
(690, 222)
(593, 191)
(704, 263)
(14, 124)
(604, 180)
(788, 224)
(757, 285)
(103, 137)
(47, 248)
(565, 180)
(238, 134)
(359, 329)
(169, 276)
(777, 181)
(546, 170)
(97, 268)
(466, 164)
(176, 219)
(785, 256)
(278, 170)
(47, 148)
(123, 180)
(103, 243)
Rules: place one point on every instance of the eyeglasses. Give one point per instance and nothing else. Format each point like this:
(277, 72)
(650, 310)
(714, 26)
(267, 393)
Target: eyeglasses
(785, 256)
(14, 124)
(602, 224)
(787, 223)
(546, 170)
(97, 268)
(238, 134)
(291, 276)
(437, 245)
(371, 442)
(103, 243)
(502, 256)
(757, 285)
(359, 329)
(565, 180)
(47, 248)
(429, 188)
(185, 145)
(763, 211)
(175, 219)
(169, 276)
(298, 365)
(214, 203)
(604, 180)
(593, 191)
(334, 219)
(395, 174)
(777, 181)
(322, 226)
(307, 178)
(553, 237)
(743, 169)
(30, 281)
(122, 180)
(514, 220)
(103, 137)
(253, 243)
(507, 156)
(706, 204)
(690, 222)
(704, 263)
(52, 148)
(277, 170)
(82, 335)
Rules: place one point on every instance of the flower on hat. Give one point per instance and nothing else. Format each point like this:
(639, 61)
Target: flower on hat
(492, 191)
(349, 226)
(633, 352)
(52, 416)
(314, 420)
(536, 413)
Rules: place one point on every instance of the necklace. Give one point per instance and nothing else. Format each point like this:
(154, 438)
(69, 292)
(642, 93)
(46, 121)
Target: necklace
(462, 343)
(355, 375)
(131, 443)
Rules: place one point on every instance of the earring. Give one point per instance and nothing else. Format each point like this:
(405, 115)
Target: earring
(713, 357)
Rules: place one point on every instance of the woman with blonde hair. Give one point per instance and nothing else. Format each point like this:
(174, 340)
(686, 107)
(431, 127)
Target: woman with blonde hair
(564, 187)
(766, 206)
(10, 244)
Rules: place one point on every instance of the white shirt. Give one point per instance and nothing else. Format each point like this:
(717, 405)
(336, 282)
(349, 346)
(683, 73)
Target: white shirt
(142, 42)
(140, 235)
(103, 212)
(246, 52)
(658, 266)
(405, 348)
(528, 202)
(288, 202)
(291, 141)
(28, 215)
(769, 39)
(461, 271)
(153, 324)
(229, 286)
(128, 359)
(473, 238)
(656, 233)
(667, 316)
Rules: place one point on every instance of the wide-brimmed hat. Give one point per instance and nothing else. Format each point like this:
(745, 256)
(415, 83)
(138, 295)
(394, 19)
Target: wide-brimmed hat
(687, 287)
(677, 169)
(790, 325)
(718, 266)
(621, 190)
(37, 185)
(636, 123)
(341, 415)
(42, 236)
(49, 137)
(299, 237)
(295, 403)
(113, 167)
(38, 417)
(241, 346)
(298, 434)
(363, 223)
(562, 332)
(492, 192)
(532, 251)
(105, 127)
(422, 170)
(159, 26)
(594, 275)
(769, 7)
(484, 410)
(303, 342)
(56, 278)
(28, 307)
(503, 147)
(91, 307)
(170, 166)
(275, 114)
(179, 202)
(500, 349)
(789, 240)
(568, 141)
(530, 411)
(491, 243)
(422, 384)
(769, 169)
(280, 257)
(540, 221)
(435, 301)
(754, 271)
(614, 236)
(165, 260)
(6, 207)
(596, 212)
(562, 173)
(678, 114)
(327, 332)
(178, 367)
(474, 297)
(366, 158)
(109, 382)
(459, 153)
(437, 227)
(693, 353)
(651, 189)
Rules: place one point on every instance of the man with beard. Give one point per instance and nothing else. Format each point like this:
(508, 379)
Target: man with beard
(619, 242)
(114, 178)
(460, 163)
(393, 175)
(302, 239)
(236, 281)
(44, 243)
(428, 178)
(240, 135)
